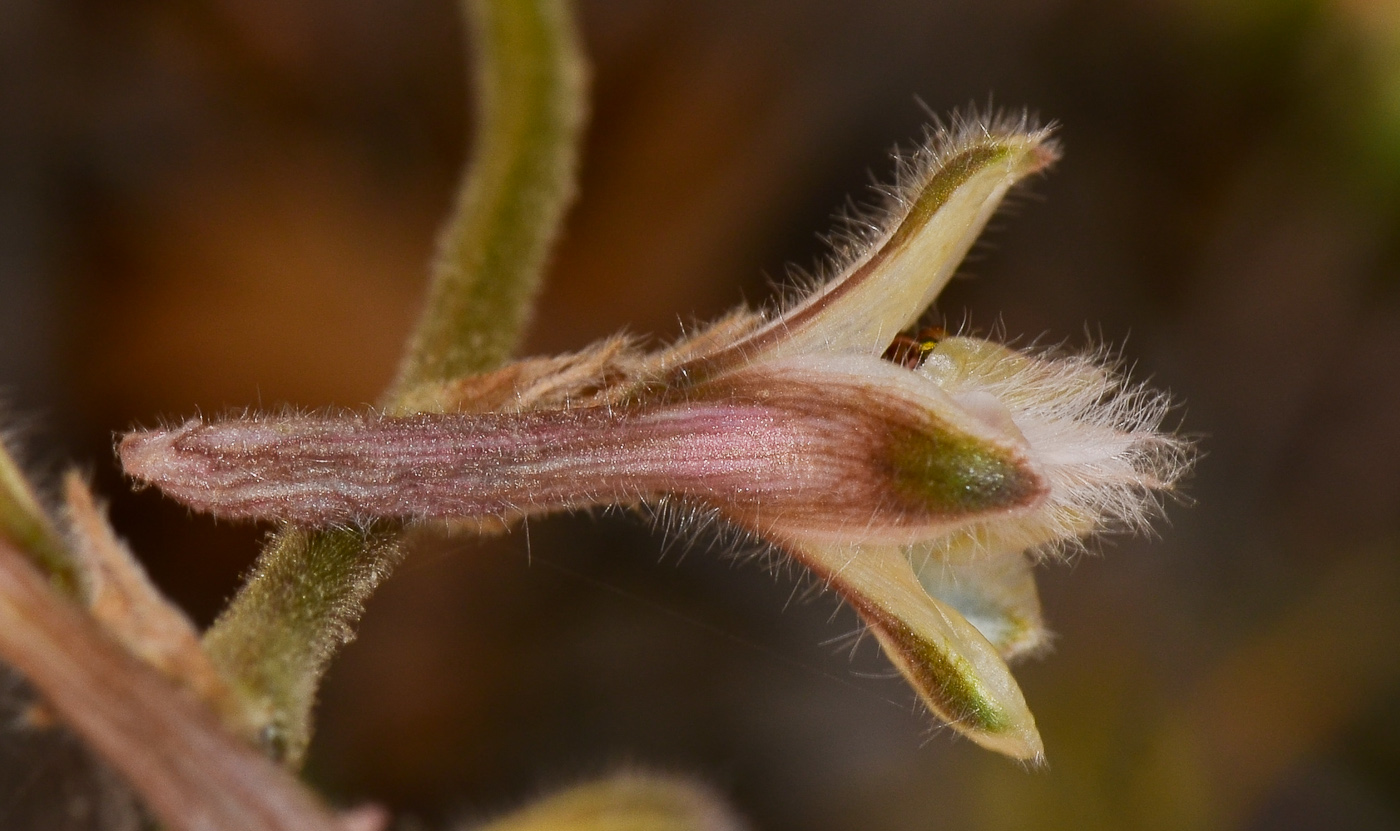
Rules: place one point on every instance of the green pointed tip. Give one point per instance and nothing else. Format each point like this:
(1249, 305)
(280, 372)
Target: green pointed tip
(955, 670)
(951, 474)
(968, 699)
(950, 189)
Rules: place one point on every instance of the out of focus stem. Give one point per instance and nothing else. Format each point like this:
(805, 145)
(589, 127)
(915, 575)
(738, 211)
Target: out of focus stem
(25, 526)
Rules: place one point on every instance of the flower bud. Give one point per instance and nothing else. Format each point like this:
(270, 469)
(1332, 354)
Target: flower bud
(831, 452)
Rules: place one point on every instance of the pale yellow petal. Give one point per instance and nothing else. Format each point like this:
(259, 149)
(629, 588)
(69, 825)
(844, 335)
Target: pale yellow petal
(957, 672)
(992, 586)
(889, 287)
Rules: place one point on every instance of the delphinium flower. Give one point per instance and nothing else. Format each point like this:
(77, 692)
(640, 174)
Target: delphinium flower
(920, 476)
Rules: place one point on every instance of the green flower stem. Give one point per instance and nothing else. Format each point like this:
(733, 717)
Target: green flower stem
(531, 81)
(305, 596)
(276, 638)
(24, 524)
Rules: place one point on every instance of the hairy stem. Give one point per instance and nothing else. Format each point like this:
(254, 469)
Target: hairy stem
(308, 590)
(297, 609)
(531, 81)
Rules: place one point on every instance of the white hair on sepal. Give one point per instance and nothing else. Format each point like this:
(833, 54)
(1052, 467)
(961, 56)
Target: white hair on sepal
(849, 642)
(1096, 435)
(683, 524)
(860, 227)
(690, 525)
(687, 525)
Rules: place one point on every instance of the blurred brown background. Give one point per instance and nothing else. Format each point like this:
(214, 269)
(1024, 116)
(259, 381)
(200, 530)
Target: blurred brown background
(217, 204)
